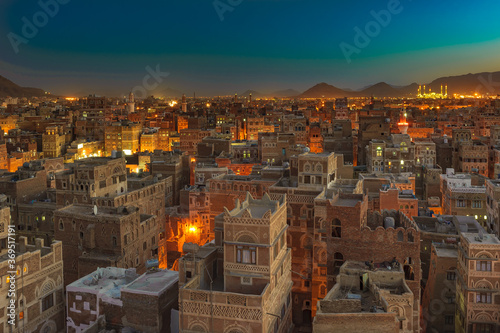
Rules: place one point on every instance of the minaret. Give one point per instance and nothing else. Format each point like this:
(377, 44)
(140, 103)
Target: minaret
(403, 124)
(235, 98)
(131, 103)
(184, 103)
(441, 90)
(446, 91)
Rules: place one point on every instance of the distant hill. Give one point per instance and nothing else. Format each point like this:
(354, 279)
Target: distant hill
(381, 89)
(255, 94)
(10, 89)
(327, 91)
(482, 83)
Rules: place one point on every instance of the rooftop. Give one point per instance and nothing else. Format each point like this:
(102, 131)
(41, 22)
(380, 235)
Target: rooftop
(153, 282)
(256, 208)
(445, 251)
(480, 238)
(107, 282)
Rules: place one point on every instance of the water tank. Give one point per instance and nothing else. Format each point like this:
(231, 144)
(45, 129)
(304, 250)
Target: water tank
(389, 222)
(286, 165)
(445, 138)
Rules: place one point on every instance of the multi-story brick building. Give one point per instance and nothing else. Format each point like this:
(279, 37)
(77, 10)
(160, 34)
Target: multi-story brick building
(438, 300)
(299, 125)
(351, 233)
(300, 237)
(117, 298)
(394, 199)
(242, 283)
(256, 125)
(53, 142)
(150, 140)
(89, 178)
(276, 148)
(189, 139)
(395, 155)
(473, 157)
(365, 299)
(478, 279)
(123, 136)
(370, 128)
(105, 237)
(340, 140)
(460, 197)
(39, 289)
(493, 206)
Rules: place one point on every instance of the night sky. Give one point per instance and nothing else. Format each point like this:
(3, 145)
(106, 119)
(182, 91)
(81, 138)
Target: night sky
(104, 46)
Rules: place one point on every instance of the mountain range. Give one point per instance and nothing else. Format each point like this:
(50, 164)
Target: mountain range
(481, 83)
(10, 89)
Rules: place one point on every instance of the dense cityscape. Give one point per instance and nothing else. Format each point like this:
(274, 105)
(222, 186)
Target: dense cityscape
(238, 214)
(244, 166)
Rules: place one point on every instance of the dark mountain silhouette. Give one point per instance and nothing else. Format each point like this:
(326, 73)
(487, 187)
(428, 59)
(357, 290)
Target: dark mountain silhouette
(481, 83)
(255, 94)
(381, 89)
(10, 89)
(327, 91)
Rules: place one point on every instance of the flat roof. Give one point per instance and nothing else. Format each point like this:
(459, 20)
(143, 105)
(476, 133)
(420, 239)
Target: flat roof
(446, 252)
(153, 282)
(475, 238)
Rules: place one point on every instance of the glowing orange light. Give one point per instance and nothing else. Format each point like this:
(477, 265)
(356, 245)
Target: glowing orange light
(192, 229)
(193, 160)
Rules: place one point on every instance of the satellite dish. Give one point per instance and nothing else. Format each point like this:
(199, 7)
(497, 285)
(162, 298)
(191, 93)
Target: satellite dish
(95, 210)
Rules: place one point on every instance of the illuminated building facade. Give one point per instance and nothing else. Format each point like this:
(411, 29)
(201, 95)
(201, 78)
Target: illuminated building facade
(123, 136)
(423, 93)
(53, 142)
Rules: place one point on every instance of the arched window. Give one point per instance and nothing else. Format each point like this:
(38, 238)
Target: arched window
(400, 236)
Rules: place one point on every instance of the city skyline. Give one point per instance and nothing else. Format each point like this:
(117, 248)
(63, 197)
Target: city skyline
(218, 48)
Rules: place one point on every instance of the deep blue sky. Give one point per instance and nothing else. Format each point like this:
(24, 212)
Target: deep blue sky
(104, 46)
